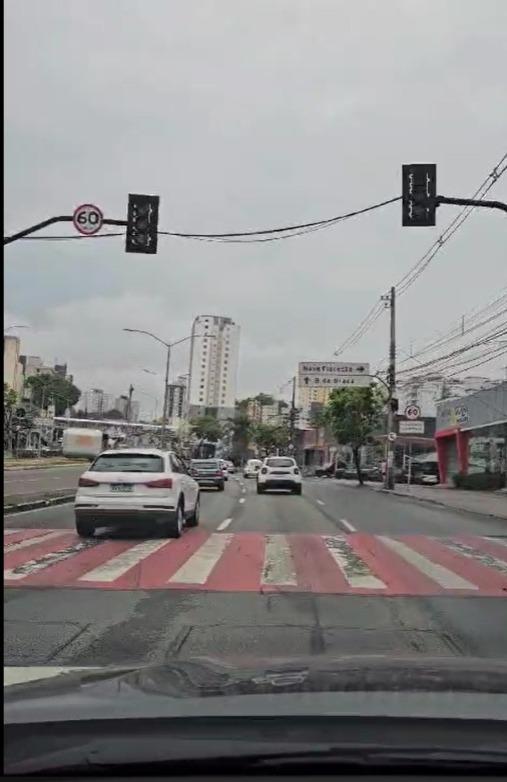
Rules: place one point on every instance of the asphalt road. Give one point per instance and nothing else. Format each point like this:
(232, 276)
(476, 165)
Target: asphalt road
(338, 570)
(28, 484)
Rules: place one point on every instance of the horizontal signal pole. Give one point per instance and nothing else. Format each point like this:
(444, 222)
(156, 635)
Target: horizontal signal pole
(470, 202)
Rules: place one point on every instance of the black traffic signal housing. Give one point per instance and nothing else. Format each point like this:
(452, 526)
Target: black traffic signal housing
(142, 224)
(395, 405)
(419, 193)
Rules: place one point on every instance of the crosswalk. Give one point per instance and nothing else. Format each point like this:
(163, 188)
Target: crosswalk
(358, 563)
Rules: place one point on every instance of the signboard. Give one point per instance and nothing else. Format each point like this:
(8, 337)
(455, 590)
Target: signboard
(392, 437)
(419, 190)
(411, 427)
(331, 374)
(412, 412)
(87, 219)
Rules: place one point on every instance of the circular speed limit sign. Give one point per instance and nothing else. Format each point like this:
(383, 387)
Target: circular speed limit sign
(412, 412)
(87, 219)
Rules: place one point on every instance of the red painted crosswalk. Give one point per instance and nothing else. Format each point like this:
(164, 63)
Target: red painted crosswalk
(358, 563)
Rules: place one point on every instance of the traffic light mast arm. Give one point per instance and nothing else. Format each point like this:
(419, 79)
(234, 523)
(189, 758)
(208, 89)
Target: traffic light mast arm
(37, 227)
(470, 202)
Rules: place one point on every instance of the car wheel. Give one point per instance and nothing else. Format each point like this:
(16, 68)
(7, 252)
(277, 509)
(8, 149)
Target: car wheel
(260, 489)
(193, 519)
(221, 486)
(174, 527)
(297, 489)
(85, 529)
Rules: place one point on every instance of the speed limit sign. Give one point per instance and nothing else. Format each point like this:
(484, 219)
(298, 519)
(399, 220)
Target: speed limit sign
(87, 219)
(412, 412)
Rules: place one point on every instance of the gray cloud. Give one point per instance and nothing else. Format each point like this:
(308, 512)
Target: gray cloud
(245, 114)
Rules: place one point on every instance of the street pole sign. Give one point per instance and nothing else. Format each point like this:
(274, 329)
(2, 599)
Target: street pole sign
(412, 412)
(88, 219)
(419, 194)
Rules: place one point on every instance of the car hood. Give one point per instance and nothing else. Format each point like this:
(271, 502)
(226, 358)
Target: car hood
(201, 686)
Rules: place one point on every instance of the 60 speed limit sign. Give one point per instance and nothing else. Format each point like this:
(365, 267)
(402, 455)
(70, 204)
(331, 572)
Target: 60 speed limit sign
(87, 219)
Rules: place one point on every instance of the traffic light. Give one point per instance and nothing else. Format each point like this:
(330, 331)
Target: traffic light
(419, 192)
(394, 405)
(142, 224)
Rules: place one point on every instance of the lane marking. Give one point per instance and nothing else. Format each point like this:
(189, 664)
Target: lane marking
(355, 571)
(224, 524)
(198, 567)
(474, 553)
(492, 539)
(444, 577)
(11, 531)
(120, 564)
(242, 499)
(33, 541)
(45, 561)
(320, 502)
(348, 526)
(278, 563)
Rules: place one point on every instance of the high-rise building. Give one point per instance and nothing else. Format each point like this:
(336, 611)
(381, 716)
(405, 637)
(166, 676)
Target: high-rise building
(13, 370)
(213, 364)
(177, 399)
(96, 401)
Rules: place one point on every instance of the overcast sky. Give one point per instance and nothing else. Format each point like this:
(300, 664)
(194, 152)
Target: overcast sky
(244, 115)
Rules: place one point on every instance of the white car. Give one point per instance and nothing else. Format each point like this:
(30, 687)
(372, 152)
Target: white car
(225, 469)
(279, 472)
(251, 468)
(137, 488)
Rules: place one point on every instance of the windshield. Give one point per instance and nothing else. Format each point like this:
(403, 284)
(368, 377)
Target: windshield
(255, 346)
(128, 462)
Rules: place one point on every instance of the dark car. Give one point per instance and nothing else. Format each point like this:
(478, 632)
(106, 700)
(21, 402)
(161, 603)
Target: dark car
(208, 472)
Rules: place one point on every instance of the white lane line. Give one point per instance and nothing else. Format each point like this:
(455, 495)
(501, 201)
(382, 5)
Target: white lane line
(8, 532)
(33, 541)
(446, 578)
(224, 524)
(476, 554)
(242, 499)
(355, 571)
(278, 565)
(348, 526)
(123, 562)
(500, 541)
(197, 569)
(320, 502)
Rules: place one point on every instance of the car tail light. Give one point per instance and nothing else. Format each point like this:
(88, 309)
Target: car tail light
(264, 470)
(87, 482)
(219, 474)
(296, 471)
(160, 483)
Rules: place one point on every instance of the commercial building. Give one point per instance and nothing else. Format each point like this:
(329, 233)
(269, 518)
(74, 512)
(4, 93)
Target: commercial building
(13, 369)
(425, 390)
(471, 433)
(177, 400)
(213, 365)
(274, 414)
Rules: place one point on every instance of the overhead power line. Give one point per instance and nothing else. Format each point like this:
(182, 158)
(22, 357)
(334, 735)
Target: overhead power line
(259, 235)
(417, 269)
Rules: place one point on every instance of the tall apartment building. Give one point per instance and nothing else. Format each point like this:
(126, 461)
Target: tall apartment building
(213, 364)
(96, 401)
(13, 369)
(177, 399)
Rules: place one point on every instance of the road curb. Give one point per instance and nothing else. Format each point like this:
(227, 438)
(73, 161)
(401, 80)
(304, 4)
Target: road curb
(47, 503)
(441, 504)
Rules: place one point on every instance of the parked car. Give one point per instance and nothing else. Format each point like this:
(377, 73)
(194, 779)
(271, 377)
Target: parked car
(279, 472)
(208, 472)
(251, 468)
(137, 488)
(231, 467)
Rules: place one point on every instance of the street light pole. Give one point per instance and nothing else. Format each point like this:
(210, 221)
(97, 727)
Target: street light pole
(166, 395)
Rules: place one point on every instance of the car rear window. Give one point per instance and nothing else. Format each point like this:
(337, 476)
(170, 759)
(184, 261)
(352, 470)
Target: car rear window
(280, 463)
(206, 465)
(128, 462)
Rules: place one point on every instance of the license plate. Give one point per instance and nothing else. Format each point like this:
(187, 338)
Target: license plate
(121, 487)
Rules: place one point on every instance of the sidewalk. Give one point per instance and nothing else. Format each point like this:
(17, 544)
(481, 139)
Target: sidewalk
(489, 503)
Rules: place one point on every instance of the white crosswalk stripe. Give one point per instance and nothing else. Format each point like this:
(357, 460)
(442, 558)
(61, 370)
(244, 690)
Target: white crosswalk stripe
(444, 577)
(198, 567)
(117, 566)
(278, 565)
(355, 571)
(33, 541)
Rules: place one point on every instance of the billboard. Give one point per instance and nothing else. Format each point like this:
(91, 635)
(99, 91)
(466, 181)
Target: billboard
(332, 374)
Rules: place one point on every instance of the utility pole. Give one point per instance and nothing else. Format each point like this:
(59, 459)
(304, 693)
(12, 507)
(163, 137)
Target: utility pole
(292, 415)
(163, 438)
(129, 403)
(391, 380)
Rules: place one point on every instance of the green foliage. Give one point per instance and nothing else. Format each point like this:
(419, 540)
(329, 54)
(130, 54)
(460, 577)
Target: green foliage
(52, 388)
(264, 399)
(10, 397)
(353, 414)
(207, 428)
(271, 436)
(479, 481)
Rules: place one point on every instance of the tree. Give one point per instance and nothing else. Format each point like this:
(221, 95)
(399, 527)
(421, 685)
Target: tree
(353, 414)
(241, 428)
(207, 428)
(53, 388)
(271, 436)
(265, 400)
(10, 397)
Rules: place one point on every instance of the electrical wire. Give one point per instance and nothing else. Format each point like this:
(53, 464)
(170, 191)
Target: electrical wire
(244, 236)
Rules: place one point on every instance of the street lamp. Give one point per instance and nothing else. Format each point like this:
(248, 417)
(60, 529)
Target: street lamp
(15, 326)
(169, 346)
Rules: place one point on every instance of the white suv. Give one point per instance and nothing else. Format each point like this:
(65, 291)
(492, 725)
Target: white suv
(136, 487)
(279, 472)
